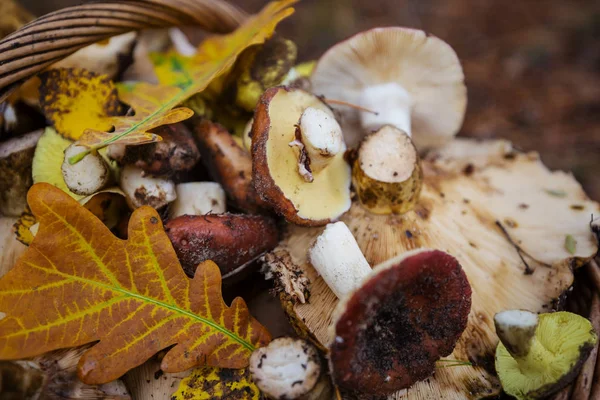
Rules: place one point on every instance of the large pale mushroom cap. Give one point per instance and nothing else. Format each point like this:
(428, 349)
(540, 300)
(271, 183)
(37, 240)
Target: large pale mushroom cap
(425, 66)
(471, 192)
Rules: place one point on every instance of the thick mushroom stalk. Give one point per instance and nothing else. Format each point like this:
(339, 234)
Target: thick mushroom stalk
(516, 330)
(289, 368)
(387, 173)
(198, 198)
(339, 260)
(87, 176)
(389, 104)
(318, 140)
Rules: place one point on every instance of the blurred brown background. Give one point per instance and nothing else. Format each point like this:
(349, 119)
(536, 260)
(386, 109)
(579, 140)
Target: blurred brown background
(532, 66)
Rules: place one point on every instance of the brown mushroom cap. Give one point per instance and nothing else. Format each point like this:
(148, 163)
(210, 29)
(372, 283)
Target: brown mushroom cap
(425, 66)
(275, 163)
(407, 315)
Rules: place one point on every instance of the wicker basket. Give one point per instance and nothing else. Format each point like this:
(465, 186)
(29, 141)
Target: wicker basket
(55, 36)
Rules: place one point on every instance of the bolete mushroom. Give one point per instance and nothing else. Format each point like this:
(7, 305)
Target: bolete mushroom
(539, 355)
(405, 77)
(488, 206)
(387, 173)
(290, 368)
(298, 163)
(393, 322)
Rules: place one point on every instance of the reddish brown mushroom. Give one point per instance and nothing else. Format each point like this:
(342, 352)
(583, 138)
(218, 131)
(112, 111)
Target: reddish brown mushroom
(231, 241)
(404, 317)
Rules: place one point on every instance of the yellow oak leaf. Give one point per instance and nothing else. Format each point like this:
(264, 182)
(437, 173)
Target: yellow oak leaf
(209, 383)
(77, 99)
(78, 284)
(215, 56)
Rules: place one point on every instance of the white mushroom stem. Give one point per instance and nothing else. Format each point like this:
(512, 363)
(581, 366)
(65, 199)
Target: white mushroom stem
(181, 42)
(391, 103)
(87, 176)
(516, 330)
(319, 139)
(142, 189)
(288, 368)
(338, 259)
(198, 198)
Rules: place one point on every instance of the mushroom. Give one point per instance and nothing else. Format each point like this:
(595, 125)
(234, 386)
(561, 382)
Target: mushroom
(10, 248)
(387, 173)
(540, 355)
(407, 78)
(146, 190)
(176, 152)
(228, 164)
(198, 198)
(108, 58)
(292, 131)
(16, 157)
(54, 376)
(290, 368)
(393, 322)
(488, 206)
(231, 241)
(86, 177)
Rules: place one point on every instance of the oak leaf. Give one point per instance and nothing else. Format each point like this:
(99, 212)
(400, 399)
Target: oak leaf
(78, 284)
(158, 103)
(76, 99)
(209, 383)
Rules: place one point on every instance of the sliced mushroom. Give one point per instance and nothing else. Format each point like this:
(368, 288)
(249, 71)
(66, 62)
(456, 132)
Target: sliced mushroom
(16, 158)
(198, 198)
(538, 356)
(146, 190)
(290, 368)
(489, 207)
(282, 147)
(10, 248)
(387, 173)
(407, 78)
(231, 241)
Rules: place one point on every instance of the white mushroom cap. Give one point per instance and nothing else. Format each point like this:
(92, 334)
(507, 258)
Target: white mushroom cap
(423, 66)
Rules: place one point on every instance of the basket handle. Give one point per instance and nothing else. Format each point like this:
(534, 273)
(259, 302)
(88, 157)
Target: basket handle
(54, 36)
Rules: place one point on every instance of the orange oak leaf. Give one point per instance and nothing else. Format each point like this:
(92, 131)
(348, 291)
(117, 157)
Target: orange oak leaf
(77, 284)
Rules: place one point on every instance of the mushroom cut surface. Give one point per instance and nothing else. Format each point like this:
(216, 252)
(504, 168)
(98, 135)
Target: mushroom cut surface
(400, 322)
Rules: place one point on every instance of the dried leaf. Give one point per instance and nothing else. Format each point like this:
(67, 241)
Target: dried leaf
(22, 228)
(570, 244)
(77, 99)
(215, 383)
(77, 284)
(556, 192)
(154, 105)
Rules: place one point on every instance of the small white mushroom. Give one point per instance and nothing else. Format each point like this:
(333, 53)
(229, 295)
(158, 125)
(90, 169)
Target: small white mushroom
(289, 368)
(88, 175)
(142, 189)
(198, 198)
(338, 259)
(181, 42)
(516, 329)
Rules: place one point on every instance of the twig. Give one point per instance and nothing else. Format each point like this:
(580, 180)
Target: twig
(520, 252)
(345, 103)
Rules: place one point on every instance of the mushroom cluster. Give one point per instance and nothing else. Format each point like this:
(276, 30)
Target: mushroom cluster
(396, 248)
